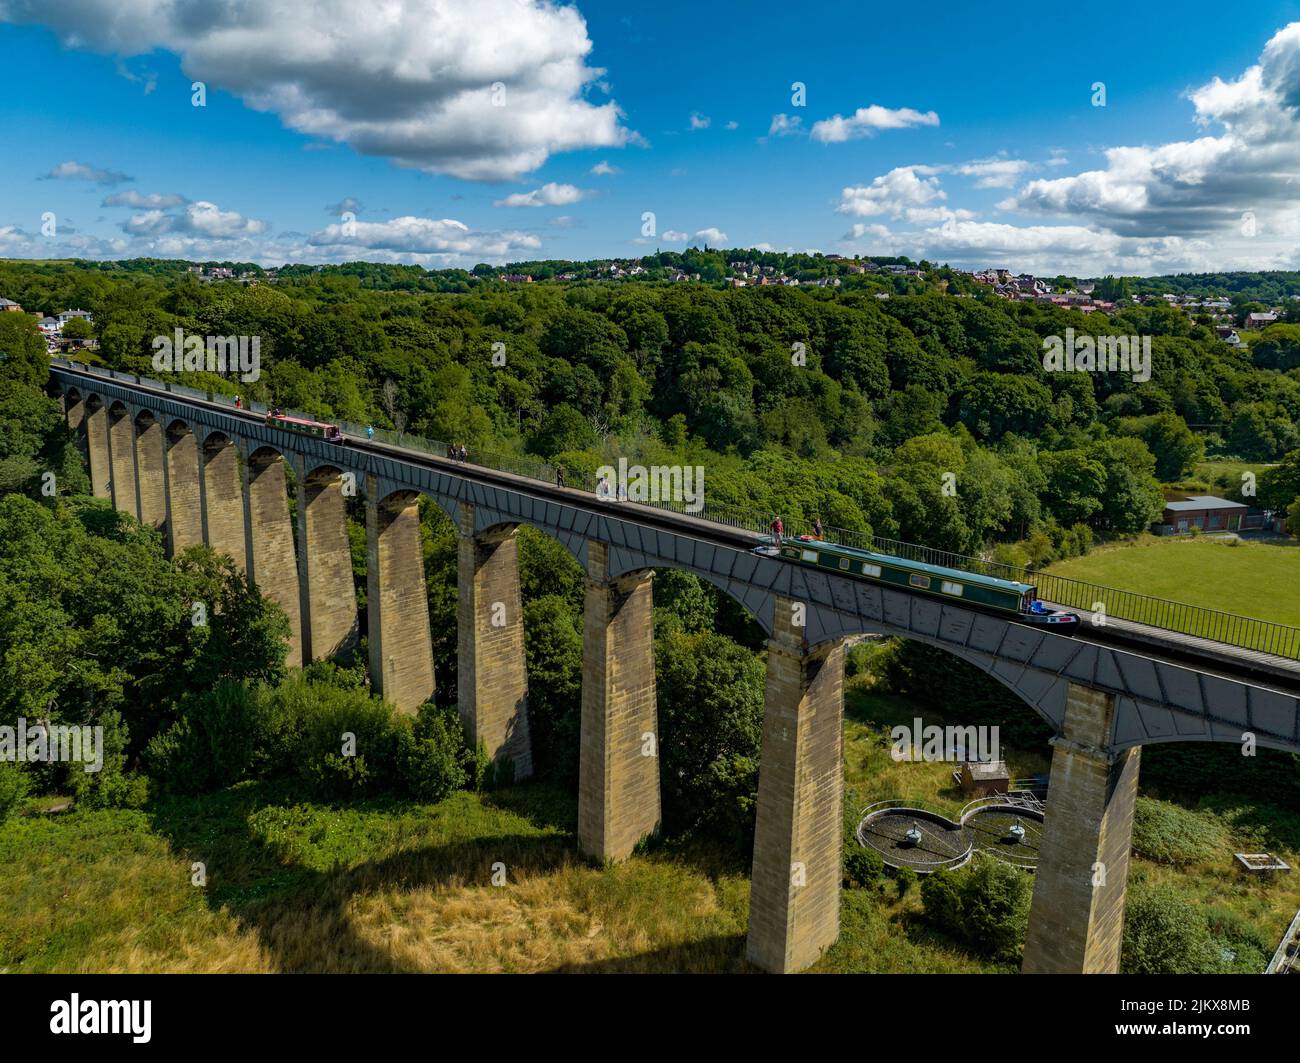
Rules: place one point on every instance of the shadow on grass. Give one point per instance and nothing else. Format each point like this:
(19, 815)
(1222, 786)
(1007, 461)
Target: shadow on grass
(302, 915)
(297, 872)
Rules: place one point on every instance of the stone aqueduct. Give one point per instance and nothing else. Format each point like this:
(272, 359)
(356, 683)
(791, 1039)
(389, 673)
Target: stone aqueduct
(204, 473)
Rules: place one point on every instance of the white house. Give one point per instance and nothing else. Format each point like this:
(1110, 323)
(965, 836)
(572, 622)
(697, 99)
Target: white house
(67, 315)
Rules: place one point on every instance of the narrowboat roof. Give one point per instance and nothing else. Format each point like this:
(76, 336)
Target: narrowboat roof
(973, 578)
(300, 420)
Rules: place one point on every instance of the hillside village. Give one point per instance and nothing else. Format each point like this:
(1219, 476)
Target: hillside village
(748, 268)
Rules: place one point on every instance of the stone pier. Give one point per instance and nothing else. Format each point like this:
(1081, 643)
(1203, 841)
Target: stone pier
(329, 599)
(273, 565)
(184, 505)
(121, 447)
(491, 667)
(618, 770)
(74, 415)
(223, 500)
(151, 483)
(401, 653)
(1076, 922)
(101, 474)
(794, 899)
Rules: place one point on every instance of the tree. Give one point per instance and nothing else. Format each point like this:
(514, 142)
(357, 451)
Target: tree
(1176, 447)
(23, 358)
(77, 328)
(985, 906)
(710, 700)
(1278, 485)
(1261, 431)
(1075, 484)
(564, 428)
(553, 643)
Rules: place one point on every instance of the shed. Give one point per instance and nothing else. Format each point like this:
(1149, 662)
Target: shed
(985, 778)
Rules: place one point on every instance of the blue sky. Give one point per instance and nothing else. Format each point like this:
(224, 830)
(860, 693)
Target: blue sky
(337, 129)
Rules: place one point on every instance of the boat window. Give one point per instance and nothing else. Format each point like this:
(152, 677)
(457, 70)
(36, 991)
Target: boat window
(844, 563)
(810, 555)
(919, 581)
(952, 588)
(870, 570)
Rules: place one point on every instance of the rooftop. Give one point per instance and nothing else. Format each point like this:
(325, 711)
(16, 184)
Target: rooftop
(1199, 502)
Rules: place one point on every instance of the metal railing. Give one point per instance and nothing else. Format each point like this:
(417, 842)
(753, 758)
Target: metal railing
(1232, 629)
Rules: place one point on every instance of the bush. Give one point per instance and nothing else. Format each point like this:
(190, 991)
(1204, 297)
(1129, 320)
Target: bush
(865, 658)
(862, 866)
(112, 786)
(1231, 931)
(985, 906)
(431, 753)
(215, 742)
(1169, 834)
(1164, 934)
(350, 741)
(13, 788)
(995, 902)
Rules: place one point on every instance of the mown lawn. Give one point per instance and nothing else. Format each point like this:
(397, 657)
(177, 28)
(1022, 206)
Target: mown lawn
(1252, 579)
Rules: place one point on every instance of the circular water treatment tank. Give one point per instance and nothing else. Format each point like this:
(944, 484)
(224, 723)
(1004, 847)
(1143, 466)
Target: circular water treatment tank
(1010, 834)
(913, 837)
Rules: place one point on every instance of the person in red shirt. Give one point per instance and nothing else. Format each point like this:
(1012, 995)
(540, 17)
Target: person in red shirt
(777, 529)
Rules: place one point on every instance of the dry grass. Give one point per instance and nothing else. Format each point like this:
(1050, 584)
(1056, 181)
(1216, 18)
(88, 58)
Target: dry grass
(389, 886)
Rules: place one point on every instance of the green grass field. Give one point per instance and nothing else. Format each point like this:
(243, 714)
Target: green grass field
(1253, 579)
(1212, 469)
(393, 886)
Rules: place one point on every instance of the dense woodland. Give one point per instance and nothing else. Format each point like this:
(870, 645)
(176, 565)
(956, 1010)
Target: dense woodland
(807, 402)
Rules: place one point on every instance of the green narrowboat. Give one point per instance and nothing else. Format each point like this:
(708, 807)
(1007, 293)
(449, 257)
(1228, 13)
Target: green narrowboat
(988, 591)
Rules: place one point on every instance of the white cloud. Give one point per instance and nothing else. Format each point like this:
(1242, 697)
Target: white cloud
(549, 195)
(784, 125)
(733, 124)
(893, 193)
(997, 172)
(700, 121)
(1194, 188)
(201, 218)
(81, 171)
(152, 200)
(409, 80)
(711, 236)
(346, 205)
(410, 235)
(867, 121)
(604, 169)
(672, 236)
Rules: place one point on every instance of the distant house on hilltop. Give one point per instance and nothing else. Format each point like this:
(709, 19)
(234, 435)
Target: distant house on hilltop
(11, 306)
